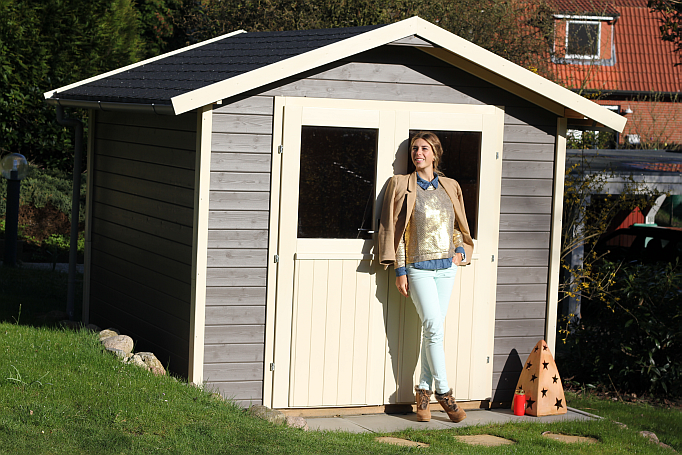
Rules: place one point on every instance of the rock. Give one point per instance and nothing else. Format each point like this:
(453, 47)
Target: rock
(122, 342)
(650, 435)
(137, 361)
(152, 363)
(265, 413)
(400, 442)
(106, 333)
(486, 440)
(119, 353)
(297, 422)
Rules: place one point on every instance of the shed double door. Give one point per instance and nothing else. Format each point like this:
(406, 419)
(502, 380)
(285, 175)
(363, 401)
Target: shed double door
(342, 334)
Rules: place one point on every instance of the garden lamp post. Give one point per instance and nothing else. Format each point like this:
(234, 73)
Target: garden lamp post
(14, 168)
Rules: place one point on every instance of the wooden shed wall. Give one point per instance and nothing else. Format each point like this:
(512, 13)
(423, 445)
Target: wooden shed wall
(235, 314)
(141, 230)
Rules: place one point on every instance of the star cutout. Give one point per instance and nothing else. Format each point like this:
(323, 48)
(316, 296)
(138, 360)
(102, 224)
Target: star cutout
(536, 349)
(529, 403)
(544, 393)
(558, 404)
(555, 379)
(528, 366)
(544, 365)
(544, 348)
(533, 378)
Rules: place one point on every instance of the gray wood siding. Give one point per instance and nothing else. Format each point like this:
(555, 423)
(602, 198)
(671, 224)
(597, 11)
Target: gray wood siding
(239, 204)
(142, 217)
(241, 144)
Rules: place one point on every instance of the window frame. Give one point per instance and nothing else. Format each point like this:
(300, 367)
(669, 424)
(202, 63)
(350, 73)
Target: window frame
(596, 56)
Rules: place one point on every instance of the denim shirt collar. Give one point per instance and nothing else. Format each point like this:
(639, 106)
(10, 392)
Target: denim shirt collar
(426, 184)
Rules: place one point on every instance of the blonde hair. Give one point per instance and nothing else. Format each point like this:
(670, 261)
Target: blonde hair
(435, 144)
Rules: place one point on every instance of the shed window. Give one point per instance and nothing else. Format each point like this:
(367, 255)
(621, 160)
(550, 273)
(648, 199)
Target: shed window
(336, 186)
(461, 161)
(582, 39)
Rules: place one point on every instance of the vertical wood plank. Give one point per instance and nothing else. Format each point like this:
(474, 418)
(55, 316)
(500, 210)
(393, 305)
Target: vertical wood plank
(301, 338)
(466, 332)
(347, 331)
(377, 340)
(361, 338)
(334, 337)
(318, 318)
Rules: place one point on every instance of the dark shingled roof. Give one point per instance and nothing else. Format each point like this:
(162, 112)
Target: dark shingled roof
(159, 81)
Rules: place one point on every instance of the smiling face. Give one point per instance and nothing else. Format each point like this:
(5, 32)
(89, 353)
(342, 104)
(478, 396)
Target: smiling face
(423, 158)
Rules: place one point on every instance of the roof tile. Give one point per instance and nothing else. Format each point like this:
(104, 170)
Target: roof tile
(644, 62)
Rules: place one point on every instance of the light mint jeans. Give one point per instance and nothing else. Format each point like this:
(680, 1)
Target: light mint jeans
(430, 291)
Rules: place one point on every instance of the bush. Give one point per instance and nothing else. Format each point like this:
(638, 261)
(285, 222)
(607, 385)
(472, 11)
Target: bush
(630, 332)
(45, 214)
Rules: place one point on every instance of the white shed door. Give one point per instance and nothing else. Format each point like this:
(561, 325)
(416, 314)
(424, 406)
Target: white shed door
(342, 334)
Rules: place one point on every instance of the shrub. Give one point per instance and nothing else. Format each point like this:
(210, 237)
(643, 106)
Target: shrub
(630, 332)
(43, 187)
(45, 214)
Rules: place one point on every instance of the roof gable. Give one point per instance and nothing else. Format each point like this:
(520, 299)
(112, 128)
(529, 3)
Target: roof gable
(203, 75)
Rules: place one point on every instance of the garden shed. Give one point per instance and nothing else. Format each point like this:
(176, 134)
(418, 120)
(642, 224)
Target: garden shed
(234, 189)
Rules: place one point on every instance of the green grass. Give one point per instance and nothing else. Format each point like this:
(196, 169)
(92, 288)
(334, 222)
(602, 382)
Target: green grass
(666, 423)
(61, 393)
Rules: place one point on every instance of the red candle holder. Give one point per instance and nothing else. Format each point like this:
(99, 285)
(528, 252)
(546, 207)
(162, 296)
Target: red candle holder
(519, 402)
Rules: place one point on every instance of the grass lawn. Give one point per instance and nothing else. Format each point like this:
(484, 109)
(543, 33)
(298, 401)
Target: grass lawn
(61, 393)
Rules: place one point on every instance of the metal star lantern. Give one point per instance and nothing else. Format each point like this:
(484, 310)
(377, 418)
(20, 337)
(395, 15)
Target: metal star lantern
(542, 383)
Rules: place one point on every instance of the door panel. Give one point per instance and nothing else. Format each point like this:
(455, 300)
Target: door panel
(343, 334)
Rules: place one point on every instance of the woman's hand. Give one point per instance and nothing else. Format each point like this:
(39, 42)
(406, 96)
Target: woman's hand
(401, 284)
(457, 259)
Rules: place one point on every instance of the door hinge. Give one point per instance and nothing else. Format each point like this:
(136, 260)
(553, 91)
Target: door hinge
(272, 366)
(497, 155)
(280, 149)
(492, 258)
(276, 258)
(487, 359)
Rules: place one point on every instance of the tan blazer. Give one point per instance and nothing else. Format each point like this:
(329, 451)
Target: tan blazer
(398, 204)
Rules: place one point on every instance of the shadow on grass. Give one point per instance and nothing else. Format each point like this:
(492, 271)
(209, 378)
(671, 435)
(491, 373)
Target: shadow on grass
(36, 297)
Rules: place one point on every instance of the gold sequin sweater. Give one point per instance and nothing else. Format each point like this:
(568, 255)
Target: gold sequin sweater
(432, 231)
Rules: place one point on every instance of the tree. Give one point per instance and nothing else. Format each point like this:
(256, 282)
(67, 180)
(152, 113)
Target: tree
(45, 44)
(671, 10)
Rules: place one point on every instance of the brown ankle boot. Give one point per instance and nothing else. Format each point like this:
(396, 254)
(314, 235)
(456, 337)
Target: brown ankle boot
(423, 402)
(447, 401)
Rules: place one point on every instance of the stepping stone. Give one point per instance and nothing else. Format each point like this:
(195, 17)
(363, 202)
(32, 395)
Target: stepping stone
(569, 438)
(401, 442)
(487, 440)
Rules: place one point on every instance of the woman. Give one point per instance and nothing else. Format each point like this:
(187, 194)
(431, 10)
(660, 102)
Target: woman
(424, 234)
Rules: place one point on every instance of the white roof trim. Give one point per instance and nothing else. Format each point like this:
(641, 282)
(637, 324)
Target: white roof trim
(578, 17)
(51, 93)
(294, 65)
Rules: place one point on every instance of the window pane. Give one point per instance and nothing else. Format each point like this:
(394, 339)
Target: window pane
(460, 161)
(336, 187)
(583, 39)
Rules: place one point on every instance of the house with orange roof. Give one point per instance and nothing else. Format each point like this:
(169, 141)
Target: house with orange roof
(611, 51)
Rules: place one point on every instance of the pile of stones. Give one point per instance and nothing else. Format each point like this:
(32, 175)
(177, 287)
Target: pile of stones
(122, 346)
